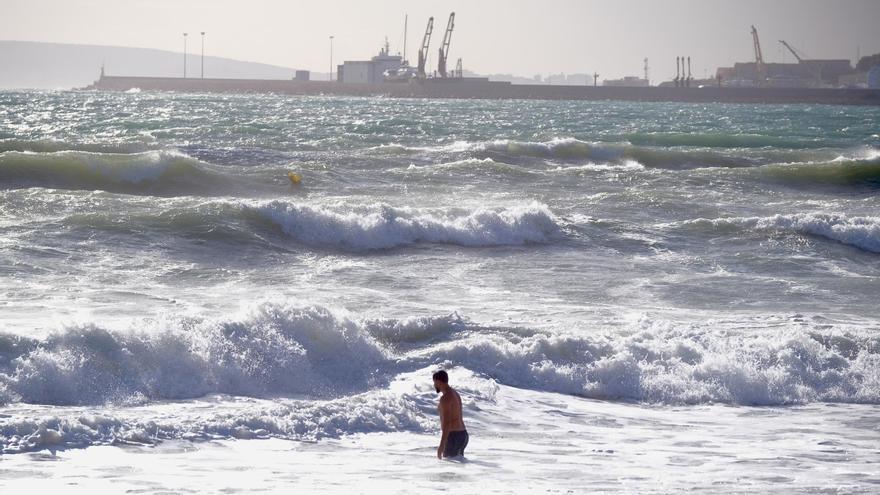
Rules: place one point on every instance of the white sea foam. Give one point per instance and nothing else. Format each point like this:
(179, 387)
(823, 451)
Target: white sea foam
(627, 165)
(216, 417)
(561, 147)
(466, 165)
(383, 226)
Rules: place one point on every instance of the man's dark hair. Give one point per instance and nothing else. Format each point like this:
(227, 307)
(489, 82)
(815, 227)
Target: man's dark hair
(442, 376)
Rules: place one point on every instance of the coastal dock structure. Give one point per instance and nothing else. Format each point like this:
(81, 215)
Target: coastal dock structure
(469, 88)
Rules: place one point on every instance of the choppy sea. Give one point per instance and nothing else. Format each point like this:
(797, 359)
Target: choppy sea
(630, 297)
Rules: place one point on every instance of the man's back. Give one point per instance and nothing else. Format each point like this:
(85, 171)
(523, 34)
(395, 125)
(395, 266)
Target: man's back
(450, 411)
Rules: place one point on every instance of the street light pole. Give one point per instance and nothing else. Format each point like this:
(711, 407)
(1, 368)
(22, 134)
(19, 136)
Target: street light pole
(331, 59)
(184, 55)
(203, 54)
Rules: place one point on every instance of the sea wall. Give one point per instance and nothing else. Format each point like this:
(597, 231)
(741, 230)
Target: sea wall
(494, 90)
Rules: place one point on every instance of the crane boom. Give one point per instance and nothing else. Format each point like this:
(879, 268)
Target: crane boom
(798, 57)
(759, 58)
(444, 48)
(423, 52)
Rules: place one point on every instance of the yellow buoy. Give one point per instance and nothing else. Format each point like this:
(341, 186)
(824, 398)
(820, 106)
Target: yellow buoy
(295, 179)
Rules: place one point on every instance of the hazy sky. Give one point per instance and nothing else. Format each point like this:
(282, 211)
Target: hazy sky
(523, 37)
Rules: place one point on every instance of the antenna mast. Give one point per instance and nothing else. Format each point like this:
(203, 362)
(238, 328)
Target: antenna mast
(405, 21)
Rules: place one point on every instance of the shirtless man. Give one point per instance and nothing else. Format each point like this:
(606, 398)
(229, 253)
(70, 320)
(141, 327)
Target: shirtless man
(454, 437)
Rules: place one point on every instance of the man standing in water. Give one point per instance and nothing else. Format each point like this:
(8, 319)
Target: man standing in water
(454, 438)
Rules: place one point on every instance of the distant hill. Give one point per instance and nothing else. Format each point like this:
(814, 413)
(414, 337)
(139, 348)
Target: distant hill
(26, 64)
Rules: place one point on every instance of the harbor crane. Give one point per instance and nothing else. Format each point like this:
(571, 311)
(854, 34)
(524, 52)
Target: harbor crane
(815, 69)
(444, 48)
(423, 52)
(759, 58)
(796, 56)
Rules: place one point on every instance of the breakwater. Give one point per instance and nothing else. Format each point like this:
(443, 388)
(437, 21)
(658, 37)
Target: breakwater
(483, 89)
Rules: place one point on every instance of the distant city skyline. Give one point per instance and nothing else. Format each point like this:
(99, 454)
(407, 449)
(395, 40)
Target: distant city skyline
(522, 38)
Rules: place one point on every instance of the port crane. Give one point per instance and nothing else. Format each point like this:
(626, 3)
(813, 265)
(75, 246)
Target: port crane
(816, 69)
(423, 52)
(444, 48)
(759, 58)
(796, 56)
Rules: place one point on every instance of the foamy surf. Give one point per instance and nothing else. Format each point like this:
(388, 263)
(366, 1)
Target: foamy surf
(544, 442)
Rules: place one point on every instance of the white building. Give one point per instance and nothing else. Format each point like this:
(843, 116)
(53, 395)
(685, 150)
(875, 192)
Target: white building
(628, 81)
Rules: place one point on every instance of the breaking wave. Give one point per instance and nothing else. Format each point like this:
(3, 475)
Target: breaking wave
(336, 226)
(859, 232)
(277, 349)
(330, 375)
(383, 227)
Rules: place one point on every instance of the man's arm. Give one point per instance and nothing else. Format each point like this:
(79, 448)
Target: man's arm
(444, 424)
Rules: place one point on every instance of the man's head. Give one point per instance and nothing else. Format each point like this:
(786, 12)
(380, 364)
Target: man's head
(441, 381)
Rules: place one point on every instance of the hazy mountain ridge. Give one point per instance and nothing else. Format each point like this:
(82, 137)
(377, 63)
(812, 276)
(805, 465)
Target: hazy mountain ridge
(29, 64)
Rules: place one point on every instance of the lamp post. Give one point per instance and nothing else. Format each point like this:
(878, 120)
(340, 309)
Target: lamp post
(184, 55)
(331, 59)
(203, 54)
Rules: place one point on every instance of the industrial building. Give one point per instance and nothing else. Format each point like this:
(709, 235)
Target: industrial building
(806, 73)
(369, 71)
(874, 77)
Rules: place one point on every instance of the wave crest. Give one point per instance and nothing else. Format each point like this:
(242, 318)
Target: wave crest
(384, 227)
(859, 232)
(274, 350)
(844, 171)
(279, 350)
(153, 172)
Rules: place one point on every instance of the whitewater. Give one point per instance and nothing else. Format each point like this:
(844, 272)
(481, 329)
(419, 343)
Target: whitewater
(629, 297)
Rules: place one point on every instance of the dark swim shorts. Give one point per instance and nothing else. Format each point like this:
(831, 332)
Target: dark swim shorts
(455, 443)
